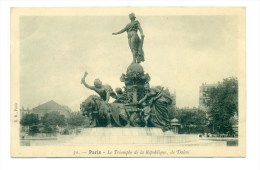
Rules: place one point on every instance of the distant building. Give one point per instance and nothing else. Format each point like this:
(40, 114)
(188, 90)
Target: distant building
(50, 107)
(24, 111)
(175, 125)
(204, 95)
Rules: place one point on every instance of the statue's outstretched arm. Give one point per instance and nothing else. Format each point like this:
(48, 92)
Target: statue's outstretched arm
(83, 81)
(120, 32)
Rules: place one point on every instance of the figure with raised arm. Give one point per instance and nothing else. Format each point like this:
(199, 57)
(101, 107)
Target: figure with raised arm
(135, 43)
(104, 91)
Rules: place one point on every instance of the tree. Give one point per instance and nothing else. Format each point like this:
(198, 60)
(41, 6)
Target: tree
(51, 120)
(31, 121)
(191, 120)
(76, 119)
(223, 105)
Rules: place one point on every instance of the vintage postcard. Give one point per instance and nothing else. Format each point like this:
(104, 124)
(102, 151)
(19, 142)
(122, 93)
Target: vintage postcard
(128, 82)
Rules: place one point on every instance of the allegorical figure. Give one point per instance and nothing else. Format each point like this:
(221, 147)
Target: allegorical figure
(104, 91)
(135, 43)
(155, 109)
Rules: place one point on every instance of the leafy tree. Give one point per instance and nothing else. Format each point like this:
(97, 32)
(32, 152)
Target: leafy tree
(51, 120)
(31, 121)
(191, 120)
(76, 119)
(223, 105)
(34, 129)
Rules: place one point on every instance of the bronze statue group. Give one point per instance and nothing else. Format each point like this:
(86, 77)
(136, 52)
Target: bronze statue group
(138, 104)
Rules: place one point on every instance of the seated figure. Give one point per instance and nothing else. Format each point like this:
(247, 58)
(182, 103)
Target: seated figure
(104, 91)
(155, 107)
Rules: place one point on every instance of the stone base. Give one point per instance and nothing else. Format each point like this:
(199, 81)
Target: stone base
(131, 135)
(124, 136)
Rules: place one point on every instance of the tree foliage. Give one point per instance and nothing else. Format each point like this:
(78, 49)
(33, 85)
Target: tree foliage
(29, 120)
(76, 119)
(51, 120)
(223, 105)
(191, 120)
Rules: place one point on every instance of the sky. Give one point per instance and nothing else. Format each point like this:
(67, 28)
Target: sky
(181, 53)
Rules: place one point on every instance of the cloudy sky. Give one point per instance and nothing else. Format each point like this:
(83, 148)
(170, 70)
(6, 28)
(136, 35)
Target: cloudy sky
(181, 53)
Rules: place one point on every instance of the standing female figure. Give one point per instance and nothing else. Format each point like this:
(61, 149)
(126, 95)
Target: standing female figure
(135, 43)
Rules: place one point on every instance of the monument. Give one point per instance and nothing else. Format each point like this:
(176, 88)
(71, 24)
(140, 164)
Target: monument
(138, 105)
(124, 109)
(139, 113)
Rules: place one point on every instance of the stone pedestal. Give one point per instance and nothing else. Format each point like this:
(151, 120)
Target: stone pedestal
(134, 80)
(125, 136)
(132, 135)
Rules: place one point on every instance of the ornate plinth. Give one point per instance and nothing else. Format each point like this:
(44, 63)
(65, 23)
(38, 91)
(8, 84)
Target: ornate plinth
(134, 80)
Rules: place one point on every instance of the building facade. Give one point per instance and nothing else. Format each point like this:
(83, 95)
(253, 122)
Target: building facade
(204, 95)
(24, 111)
(50, 106)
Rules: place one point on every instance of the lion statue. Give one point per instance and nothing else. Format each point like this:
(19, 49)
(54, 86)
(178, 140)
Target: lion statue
(103, 114)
